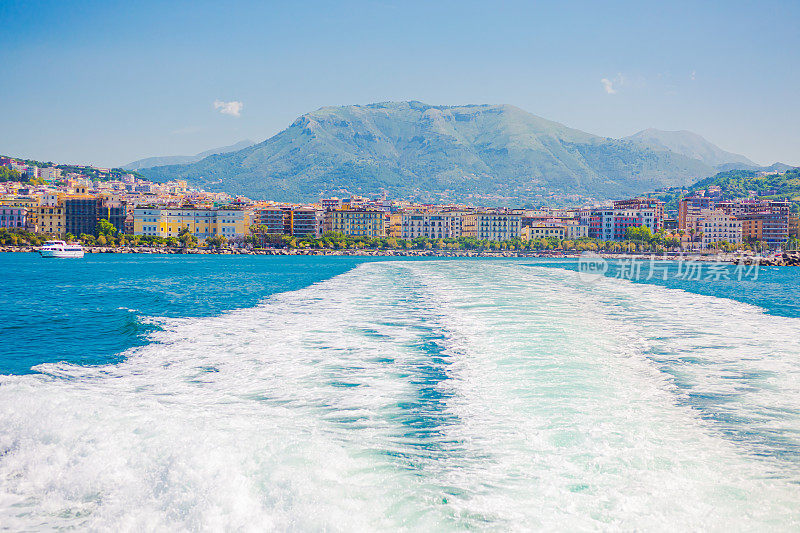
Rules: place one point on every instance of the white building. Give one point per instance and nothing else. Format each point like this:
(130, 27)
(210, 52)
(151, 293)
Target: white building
(50, 173)
(716, 226)
(492, 226)
(430, 225)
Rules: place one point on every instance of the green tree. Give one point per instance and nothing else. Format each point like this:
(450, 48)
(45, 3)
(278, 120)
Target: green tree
(104, 227)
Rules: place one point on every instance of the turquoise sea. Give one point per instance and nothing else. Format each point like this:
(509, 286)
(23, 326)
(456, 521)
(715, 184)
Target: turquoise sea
(150, 392)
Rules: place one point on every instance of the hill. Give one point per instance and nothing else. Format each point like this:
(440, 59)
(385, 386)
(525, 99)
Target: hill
(739, 183)
(184, 159)
(482, 153)
(691, 145)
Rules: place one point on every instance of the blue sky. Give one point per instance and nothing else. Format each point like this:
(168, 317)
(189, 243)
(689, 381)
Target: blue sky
(107, 82)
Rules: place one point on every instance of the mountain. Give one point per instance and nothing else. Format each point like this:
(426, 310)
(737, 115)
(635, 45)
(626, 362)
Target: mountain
(183, 159)
(693, 146)
(485, 153)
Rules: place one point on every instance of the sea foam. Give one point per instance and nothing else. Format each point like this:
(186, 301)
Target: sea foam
(434, 395)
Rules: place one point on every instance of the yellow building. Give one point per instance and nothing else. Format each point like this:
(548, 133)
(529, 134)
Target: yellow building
(51, 219)
(201, 222)
(356, 222)
(396, 225)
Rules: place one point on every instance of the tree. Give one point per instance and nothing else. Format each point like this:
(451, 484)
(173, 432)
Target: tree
(218, 241)
(104, 227)
(186, 238)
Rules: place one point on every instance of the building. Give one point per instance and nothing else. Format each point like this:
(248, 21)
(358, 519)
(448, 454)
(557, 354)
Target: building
(794, 227)
(276, 220)
(80, 214)
(430, 225)
(306, 221)
(13, 217)
(51, 219)
(644, 204)
(202, 222)
(497, 226)
(50, 173)
(575, 231)
(716, 226)
(29, 204)
(540, 231)
(296, 221)
(769, 228)
(356, 222)
(690, 207)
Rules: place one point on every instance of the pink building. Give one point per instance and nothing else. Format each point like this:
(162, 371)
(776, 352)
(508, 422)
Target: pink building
(12, 217)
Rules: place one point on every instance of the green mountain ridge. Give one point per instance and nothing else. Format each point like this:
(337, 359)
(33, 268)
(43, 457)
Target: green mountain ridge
(482, 153)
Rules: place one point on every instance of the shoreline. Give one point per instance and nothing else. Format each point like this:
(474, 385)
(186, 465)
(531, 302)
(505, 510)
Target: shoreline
(537, 254)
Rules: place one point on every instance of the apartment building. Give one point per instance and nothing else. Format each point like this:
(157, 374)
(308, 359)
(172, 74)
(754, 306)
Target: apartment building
(82, 213)
(611, 224)
(489, 226)
(770, 228)
(202, 222)
(430, 225)
(51, 219)
(284, 220)
(690, 207)
(356, 222)
(644, 204)
(716, 226)
(539, 231)
(12, 217)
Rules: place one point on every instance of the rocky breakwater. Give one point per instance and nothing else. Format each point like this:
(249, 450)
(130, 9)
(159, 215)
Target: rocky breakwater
(785, 259)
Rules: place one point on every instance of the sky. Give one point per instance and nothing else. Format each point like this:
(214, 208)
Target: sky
(108, 82)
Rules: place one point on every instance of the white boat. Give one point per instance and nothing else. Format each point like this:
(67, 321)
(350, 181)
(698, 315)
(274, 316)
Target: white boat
(61, 249)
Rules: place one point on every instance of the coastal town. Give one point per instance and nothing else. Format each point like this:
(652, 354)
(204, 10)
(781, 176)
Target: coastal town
(99, 206)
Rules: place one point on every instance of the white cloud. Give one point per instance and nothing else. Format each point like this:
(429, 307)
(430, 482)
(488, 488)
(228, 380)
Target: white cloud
(233, 108)
(694, 73)
(608, 85)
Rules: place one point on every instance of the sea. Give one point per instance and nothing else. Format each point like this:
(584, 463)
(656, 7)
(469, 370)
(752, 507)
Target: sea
(311, 393)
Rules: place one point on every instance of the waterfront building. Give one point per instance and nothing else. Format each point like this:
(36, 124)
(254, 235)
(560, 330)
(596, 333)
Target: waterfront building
(51, 219)
(492, 226)
(575, 231)
(689, 208)
(202, 222)
(770, 228)
(612, 223)
(276, 220)
(539, 231)
(430, 225)
(715, 225)
(13, 217)
(82, 213)
(296, 221)
(794, 227)
(29, 204)
(306, 221)
(644, 204)
(356, 222)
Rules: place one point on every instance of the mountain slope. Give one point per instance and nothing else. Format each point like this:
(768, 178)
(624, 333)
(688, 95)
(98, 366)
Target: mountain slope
(690, 145)
(184, 159)
(481, 152)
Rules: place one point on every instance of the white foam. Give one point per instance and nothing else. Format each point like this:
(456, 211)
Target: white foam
(435, 395)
